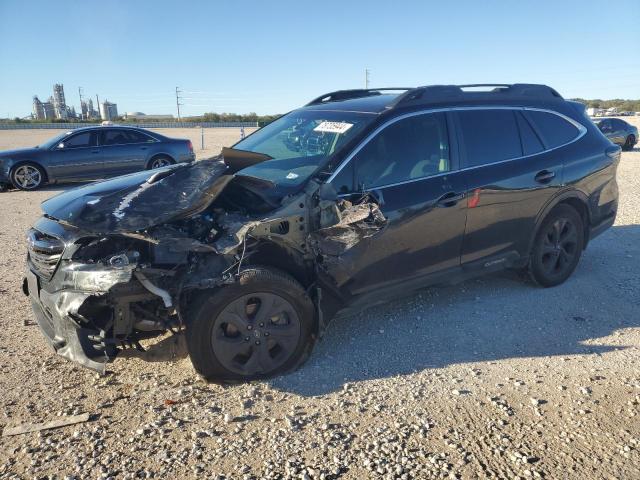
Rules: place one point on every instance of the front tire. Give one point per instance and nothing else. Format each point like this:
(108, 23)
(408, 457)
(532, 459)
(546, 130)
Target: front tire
(258, 327)
(557, 247)
(27, 176)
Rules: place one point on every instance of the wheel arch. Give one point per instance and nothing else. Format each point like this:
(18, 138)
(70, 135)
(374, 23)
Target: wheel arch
(574, 198)
(274, 255)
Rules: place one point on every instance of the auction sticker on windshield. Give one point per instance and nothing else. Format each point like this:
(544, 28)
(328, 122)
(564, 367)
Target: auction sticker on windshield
(333, 127)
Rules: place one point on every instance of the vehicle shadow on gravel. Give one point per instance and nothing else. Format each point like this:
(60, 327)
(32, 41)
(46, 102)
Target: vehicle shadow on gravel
(492, 318)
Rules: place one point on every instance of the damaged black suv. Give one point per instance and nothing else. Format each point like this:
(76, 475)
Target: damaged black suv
(358, 197)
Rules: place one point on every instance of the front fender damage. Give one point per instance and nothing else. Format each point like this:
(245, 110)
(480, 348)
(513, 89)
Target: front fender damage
(133, 285)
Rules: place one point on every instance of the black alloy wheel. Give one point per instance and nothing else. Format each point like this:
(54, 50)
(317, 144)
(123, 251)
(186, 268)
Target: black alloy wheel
(558, 247)
(262, 325)
(255, 334)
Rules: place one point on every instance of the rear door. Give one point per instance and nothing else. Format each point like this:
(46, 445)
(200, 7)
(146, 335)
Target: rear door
(77, 157)
(512, 171)
(409, 167)
(124, 150)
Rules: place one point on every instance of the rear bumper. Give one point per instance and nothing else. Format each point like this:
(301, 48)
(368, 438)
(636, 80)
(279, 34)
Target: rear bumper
(58, 318)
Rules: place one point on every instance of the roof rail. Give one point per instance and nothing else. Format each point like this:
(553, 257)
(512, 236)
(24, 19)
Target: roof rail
(354, 93)
(500, 91)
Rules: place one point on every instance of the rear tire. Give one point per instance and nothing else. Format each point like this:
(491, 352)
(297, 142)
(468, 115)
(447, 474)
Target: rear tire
(160, 161)
(27, 176)
(629, 143)
(258, 327)
(557, 247)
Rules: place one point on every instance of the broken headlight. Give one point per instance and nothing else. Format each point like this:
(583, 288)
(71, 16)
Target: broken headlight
(111, 251)
(92, 277)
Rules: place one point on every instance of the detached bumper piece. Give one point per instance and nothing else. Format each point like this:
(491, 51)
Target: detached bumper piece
(58, 318)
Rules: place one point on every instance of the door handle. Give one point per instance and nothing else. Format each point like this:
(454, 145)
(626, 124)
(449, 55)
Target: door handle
(544, 176)
(143, 148)
(95, 151)
(449, 199)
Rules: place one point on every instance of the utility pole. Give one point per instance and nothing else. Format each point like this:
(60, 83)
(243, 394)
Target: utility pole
(178, 102)
(80, 95)
(367, 74)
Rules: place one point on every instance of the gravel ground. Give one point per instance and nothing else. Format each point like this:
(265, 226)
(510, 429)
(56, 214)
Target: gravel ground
(492, 378)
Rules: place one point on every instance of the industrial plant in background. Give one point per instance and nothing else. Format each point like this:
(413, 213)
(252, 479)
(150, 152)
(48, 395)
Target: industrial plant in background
(56, 108)
(108, 111)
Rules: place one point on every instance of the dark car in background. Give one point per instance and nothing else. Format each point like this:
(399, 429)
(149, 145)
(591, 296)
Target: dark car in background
(89, 154)
(618, 131)
(358, 197)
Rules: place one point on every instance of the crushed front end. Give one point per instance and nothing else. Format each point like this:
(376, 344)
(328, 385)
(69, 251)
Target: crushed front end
(88, 293)
(116, 262)
(106, 262)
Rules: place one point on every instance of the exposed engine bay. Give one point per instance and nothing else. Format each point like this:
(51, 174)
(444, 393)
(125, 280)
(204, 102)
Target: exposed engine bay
(118, 262)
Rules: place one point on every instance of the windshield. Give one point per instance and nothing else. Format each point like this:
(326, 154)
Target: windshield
(300, 142)
(55, 140)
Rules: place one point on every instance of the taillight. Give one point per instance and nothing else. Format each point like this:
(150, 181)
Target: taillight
(190, 145)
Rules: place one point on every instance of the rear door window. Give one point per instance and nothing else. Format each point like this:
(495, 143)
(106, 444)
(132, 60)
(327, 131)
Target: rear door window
(554, 130)
(137, 137)
(113, 137)
(489, 135)
(618, 125)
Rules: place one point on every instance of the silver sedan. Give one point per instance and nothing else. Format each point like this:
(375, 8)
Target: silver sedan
(91, 153)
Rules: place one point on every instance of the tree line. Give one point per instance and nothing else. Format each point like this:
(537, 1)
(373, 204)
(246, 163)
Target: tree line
(619, 103)
(207, 117)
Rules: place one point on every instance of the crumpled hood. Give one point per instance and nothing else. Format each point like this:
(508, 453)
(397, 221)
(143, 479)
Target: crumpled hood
(141, 200)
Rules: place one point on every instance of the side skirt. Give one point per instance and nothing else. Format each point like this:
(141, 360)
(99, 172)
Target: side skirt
(450, 276)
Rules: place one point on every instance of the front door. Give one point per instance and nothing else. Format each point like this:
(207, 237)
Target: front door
(409, 169)
(77, 157)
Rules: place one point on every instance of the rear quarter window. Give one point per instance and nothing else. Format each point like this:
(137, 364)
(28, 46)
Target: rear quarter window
(531, 143)
(554, 130)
